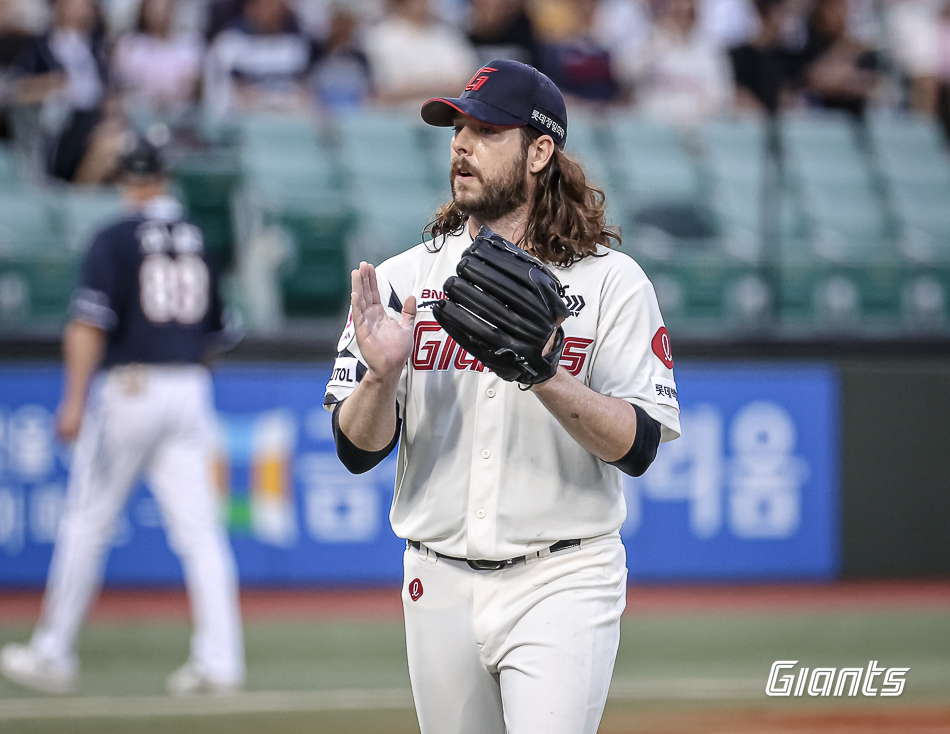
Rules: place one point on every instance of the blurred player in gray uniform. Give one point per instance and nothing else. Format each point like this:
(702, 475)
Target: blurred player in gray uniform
(138, 401)
(509, 498)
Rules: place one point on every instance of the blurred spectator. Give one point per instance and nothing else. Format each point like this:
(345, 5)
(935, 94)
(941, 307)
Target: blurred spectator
(221, 15)
(502, 29)
(64, 70)
(838, 71)
(578, 63)
(920, 46)
(316, 16)
(19, 21)
(622, 27)
(157, 68)
(727, 23)
(259, 62)
(341, 76)
(413, 56)
(765, 68)
(553, 19)
(680, 77)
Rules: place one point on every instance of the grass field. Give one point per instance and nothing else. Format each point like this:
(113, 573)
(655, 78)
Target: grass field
(691, 660)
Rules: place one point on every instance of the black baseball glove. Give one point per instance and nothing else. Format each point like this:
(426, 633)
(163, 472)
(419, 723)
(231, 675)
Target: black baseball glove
(503, 308)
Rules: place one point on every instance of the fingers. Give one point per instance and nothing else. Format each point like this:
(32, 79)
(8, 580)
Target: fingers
(370, 288)
(409, 311)
(356, 296)
(374, 286)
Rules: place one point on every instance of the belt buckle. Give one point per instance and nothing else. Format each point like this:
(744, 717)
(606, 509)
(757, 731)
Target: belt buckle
(483, 565)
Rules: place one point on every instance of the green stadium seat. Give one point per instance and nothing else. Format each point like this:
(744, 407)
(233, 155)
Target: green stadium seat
(733, 161)
(923, 215)
(830, 177)
(650, 163)
(734, 152)
(206, 179)
(711, 294)
(384, 148)
(856, 295)
(296, 174)
(909, 136)
(436, 148)
(585, 143)
(35, 291)
(391, 221)
(854, 212)
(315, 278)
(925, 299)
(292, 257)
(278, 132)
(206, 182)
(912, 159)
(9, 175)
(26, 224)
(82, 212)
(741, 137)
(817, 136)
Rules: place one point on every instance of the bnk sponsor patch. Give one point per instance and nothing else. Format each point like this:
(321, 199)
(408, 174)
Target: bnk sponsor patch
(344, 372)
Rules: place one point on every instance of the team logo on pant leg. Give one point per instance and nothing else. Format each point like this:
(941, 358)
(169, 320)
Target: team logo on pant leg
(415, 589)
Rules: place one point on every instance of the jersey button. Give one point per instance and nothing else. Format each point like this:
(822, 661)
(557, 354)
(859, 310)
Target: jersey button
(485, 453)
(491, 392)
(480, 514)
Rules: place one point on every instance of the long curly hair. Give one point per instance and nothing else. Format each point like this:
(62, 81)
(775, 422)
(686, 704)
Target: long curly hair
(566, 218)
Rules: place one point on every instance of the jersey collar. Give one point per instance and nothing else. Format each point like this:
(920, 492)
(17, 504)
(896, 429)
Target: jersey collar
(163, 208)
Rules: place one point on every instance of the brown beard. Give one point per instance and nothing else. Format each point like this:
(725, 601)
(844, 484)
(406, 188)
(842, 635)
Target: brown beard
(500, 196)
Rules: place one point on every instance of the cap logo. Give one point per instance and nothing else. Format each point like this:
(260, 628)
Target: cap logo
(481, 76)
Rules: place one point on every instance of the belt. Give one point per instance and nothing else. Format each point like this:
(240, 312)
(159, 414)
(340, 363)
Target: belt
(486, 565)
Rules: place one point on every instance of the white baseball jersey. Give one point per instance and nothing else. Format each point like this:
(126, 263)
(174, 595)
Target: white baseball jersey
(484, 470)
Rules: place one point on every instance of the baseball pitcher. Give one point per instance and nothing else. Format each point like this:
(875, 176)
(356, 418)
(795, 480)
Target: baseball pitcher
(521, 365)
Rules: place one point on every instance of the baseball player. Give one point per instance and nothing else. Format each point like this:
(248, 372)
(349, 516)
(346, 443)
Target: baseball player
(515, 414)
(143, 317)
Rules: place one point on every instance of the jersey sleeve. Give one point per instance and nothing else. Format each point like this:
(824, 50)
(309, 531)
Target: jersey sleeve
(632, 358)
(96, 298)
(349, 366)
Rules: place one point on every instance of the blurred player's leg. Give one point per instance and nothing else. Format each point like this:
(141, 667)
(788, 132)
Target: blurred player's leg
(180, 477)
(115, 435)
(454, 693)
(556, 662)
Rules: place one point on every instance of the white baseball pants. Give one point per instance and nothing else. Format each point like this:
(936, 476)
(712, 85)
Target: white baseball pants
(155, 421)
(522, 650)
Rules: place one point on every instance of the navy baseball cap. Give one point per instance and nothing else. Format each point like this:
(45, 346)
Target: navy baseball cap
(507, 94)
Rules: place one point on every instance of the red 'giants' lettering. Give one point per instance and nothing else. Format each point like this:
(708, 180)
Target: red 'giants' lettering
(434, 350)
(575, 354)
(425, 348)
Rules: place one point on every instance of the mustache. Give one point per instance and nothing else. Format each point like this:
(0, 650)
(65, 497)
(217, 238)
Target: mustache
(459, 165)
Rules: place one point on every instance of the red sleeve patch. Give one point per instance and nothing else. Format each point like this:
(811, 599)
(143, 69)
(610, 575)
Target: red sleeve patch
(662, 347)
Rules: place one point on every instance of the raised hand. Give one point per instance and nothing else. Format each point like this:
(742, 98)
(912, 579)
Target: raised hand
(384, 343)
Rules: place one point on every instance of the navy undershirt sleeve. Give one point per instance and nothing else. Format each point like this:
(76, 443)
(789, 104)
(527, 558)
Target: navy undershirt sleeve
(638, 459)
(355, 459)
